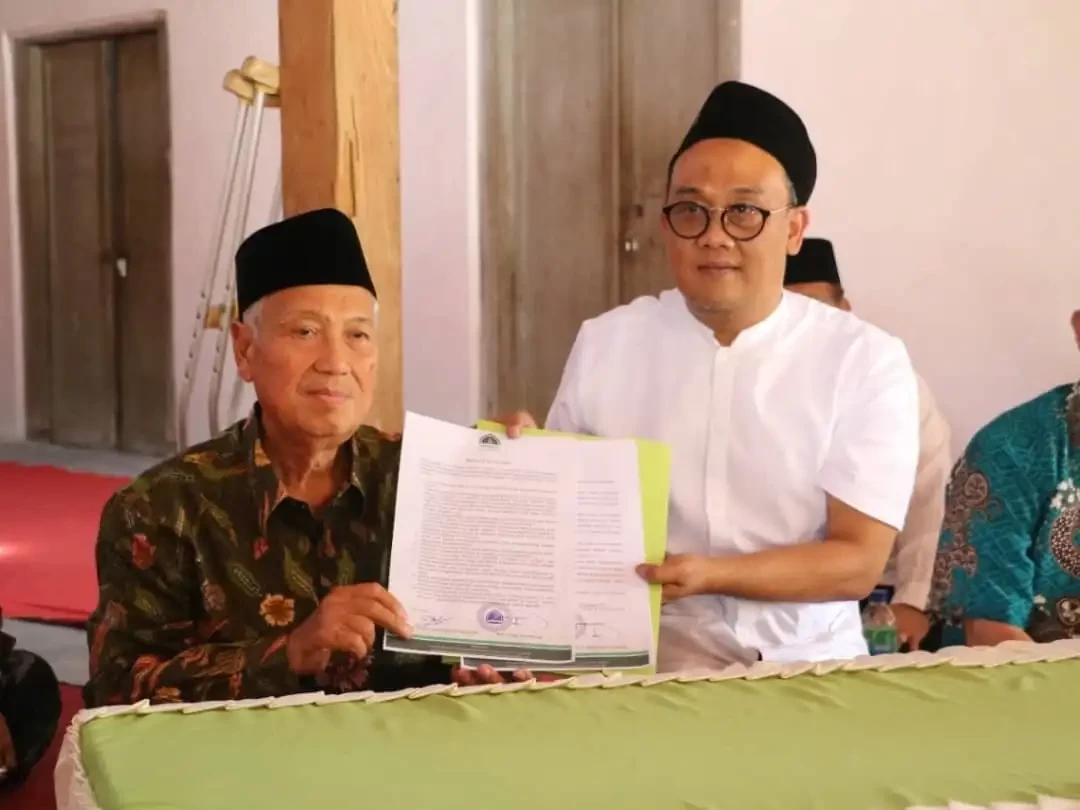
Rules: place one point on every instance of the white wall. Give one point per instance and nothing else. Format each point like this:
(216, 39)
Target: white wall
(948, 172)
(438, 42)
(951, 207)
(205, 39)
(439, 119)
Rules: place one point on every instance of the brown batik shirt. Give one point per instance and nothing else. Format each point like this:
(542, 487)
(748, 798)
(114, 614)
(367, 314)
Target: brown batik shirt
(205, 565)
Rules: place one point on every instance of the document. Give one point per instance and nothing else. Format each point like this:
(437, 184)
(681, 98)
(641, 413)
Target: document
(483, 544)
(612, 618)
(520, 553)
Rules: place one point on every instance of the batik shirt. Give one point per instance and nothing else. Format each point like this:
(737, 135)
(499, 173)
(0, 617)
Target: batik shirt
(205, 565)
(1008, 550)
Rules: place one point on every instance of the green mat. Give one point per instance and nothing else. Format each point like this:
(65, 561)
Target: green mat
(856, 740)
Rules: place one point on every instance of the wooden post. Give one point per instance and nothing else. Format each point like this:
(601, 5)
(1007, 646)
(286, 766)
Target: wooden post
(341, 147)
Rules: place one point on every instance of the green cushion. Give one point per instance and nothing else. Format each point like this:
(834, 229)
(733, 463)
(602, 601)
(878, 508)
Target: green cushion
(847, 739)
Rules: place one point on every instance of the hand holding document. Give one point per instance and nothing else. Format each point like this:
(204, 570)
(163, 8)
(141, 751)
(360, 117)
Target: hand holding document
(522, 552)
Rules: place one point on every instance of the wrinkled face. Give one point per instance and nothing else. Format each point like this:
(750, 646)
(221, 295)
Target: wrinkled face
(823, 291)
(311, 356)
(715, 272)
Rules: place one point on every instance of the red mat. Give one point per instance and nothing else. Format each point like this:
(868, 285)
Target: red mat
(48, 528)
(38, 792)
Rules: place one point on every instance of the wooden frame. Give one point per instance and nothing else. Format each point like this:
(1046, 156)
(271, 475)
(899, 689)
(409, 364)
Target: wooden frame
(32, 172)
(500, 198)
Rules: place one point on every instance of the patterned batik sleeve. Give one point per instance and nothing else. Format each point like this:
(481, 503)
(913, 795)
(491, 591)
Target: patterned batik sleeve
(983, 568)
(143, 636)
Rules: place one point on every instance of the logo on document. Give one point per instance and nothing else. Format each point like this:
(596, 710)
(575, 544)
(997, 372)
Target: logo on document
(495, 618)
(490, 440)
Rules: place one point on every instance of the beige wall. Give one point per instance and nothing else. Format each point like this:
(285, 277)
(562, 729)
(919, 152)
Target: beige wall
(205, 39)
(951, 206)
(947, 137)
(438, 72)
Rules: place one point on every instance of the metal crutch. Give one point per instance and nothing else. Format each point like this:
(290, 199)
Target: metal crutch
(209, 316)
(265, 81)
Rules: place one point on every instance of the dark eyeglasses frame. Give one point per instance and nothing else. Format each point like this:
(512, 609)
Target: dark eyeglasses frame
(723, 212)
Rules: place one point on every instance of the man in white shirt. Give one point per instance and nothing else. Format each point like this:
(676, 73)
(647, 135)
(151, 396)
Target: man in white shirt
(793, 425)
(813, 272)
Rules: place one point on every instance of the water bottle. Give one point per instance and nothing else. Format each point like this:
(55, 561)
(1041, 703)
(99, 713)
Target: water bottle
(879, 624)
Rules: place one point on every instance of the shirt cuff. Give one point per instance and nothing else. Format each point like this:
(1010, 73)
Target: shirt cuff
(915, 595)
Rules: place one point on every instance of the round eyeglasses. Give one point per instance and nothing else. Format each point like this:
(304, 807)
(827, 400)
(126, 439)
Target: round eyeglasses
(741, 221)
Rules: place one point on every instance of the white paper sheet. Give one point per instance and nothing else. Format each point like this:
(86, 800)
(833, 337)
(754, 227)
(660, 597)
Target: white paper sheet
(520, 552)
(612, 619)
(483, 543)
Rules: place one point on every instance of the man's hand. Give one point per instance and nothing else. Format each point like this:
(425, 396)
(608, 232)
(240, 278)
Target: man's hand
(345, 620)
(515, 423)
(912, 624)
(8, 760)
(681, 575)
(486, 673)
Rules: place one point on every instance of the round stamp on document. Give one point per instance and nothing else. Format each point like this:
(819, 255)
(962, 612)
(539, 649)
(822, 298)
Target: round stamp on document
(495, 618)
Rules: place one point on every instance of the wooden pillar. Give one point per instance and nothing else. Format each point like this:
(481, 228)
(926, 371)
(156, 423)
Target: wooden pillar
(341, 148)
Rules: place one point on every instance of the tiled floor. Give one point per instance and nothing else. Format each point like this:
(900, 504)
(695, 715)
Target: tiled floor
(101, 462)
(65, 648)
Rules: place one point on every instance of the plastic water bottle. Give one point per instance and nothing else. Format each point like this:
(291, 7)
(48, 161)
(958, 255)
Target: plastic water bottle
(879, 624)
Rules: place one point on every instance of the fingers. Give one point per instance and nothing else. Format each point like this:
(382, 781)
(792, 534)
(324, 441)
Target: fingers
(662, 574)
(8, 760)
(484, 674)
(355, 634)
(366, 591)
(669, 593)
(517, 422)
(384, 617)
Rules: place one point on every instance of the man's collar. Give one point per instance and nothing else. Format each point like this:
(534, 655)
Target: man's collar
(269, 492)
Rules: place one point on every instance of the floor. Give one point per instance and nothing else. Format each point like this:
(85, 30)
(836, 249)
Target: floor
(72, 458)
(63, 647)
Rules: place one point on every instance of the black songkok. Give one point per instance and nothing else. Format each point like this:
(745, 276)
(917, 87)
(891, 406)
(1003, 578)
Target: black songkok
(319, 247)
(815, 262)
(745, 113)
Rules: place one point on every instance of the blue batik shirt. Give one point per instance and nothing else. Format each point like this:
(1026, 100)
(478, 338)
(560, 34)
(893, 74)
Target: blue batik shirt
(1008, 548)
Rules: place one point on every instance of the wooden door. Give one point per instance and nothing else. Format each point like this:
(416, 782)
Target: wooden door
(93, 157)
(673, 54)
(549, 229)
(81, 312)
(143, 238)
(585, 101)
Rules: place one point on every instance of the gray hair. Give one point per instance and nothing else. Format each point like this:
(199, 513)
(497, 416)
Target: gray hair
(793, 198)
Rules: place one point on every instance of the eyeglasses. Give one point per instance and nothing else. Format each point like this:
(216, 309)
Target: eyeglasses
(742, 221)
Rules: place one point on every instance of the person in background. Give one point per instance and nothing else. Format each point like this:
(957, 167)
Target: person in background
(793, 425)
(252, 565)
(1008, 563)
(29, 710)
(813, 272)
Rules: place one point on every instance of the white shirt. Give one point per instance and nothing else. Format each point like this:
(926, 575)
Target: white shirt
(809, 401)
(911, 566)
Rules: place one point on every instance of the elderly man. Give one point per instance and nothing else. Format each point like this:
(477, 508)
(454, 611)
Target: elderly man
(813, 272)
(794, 426)
(251, 564)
